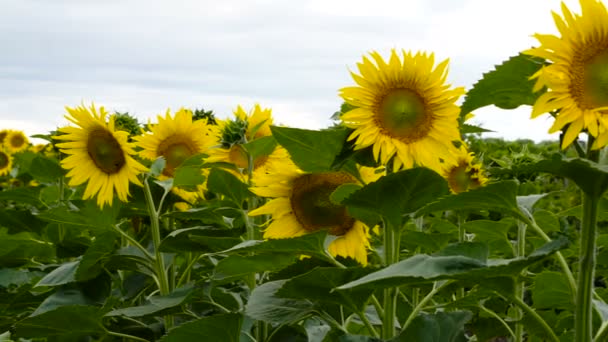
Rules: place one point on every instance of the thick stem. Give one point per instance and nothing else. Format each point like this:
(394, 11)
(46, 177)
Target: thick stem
(520, 286)
(161, 272)
(583, 329)
(391, 256)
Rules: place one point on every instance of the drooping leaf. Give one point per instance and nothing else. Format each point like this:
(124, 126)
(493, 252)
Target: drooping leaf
(508, 86)
(312, 151)
(319, 284)
(265, 305)
(155, 304)
(399, 194)
(224, 327)
(65, 321)
(499, 196)
(225, 183)
(235, 266)
(63, 274)
(437, 327)
(205, 238)
(423, 268)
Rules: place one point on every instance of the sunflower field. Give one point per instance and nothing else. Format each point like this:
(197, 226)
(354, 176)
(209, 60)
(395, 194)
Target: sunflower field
(398, 223)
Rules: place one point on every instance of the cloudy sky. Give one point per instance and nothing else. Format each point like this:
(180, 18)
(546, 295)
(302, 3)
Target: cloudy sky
(144, 56)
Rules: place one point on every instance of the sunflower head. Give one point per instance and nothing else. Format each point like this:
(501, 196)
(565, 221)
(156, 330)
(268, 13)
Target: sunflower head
(302, 204)
(202, 114)
(404, 109)
(3, 134)
(464, 174)
(16, 141)
(97, 154)
(245, 127)
(577, 78)
(6, 162)
(176, 138)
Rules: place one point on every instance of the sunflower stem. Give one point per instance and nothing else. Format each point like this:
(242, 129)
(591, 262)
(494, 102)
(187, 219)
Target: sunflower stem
(532, 314)
(161, 273)
(368, 324)
(520, 286)
(422, 303)
(583, 328)
(462, 235)
(498, 318)
(391, 256)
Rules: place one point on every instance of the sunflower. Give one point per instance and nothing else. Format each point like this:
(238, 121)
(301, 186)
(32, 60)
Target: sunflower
(403, 109)
(176, 139)
(245, 128)
(577, 79)
(6, 162)
(16, 141)
(97, 153)
(3, 134)
(464, 174)
(301, 204)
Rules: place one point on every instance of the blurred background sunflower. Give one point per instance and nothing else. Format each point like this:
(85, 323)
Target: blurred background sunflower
(403, 108)
(464, 173)
(6, 162)
(16, 141)
(99, 154)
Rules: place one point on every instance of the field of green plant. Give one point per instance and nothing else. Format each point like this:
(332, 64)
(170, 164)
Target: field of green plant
(398, 223)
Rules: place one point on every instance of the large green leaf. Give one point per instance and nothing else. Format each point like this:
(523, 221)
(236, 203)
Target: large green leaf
(437, 327)
(26, 195)
(423, 268)
(63, 297)
(45, 169)
(319, 284)
(552, 291)
(398, 194)
(189, 174)
(20, 248)
(225, 183)
(499, 196)
(10, 277)
(494, 233)
(265, 305)
(92, 261)
(206, 215)
(65, 321)
(205, 238)
(155, 304)
(235, 266)
(64, 274)
(261, 147)
(312, 151)
(508, 86)
(226, 327)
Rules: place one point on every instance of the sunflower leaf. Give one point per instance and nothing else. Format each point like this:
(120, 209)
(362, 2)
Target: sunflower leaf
(70, 321)
(45, 169)
(236, 266)
(508, 86)
(261, 147)
(437, 327)
(225, 327)
(157, 167)
(312, 151)
(265, 305)
(225, 183)
(397, 194)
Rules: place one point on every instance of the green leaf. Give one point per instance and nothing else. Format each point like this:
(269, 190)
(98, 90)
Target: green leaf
(200, 239)
(188, 177)
(265, 305)
(508, 86)
(319, 284)
(473, 250)
(423, 268)
(225, 183)
(206, 215)
(343, 191)
(65, 321)
(63, 274)
(546, 220)
(398, 194)
(236, 266)
(157, 166)
(91, 264)
(20, 248)
(437, 327)
(260, 147)
(10, 277)
(62, 297)
(226, 327)
(312, 244)
(427, 242)
(155, 304)
(467, 129)
(493, 233)
(45, 170)
(312, 151)
(552, 291)
(25, 195)
(529, 201)
(499, 196)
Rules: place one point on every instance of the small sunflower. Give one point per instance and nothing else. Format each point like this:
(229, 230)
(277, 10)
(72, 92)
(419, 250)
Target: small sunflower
(3, 134)
(16, 141)
(464, 174)
(403, 109)
(97, 153)
(577, 79)
(38, 148)
(176, 138)
(6, 162)
(301, 204)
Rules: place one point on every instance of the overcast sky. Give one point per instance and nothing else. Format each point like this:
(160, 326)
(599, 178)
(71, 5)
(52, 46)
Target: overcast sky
(144, 56)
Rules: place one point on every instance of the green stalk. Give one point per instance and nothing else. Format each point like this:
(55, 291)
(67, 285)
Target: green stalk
(391, 255)
(422, 303)
(583, 329)
(161, 272)
(541, 322)
(520, 286)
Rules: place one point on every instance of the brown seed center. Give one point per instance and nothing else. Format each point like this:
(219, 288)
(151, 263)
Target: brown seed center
(311, 204)
(105, 151)
(175, 154)
(17, 140)
(589, 75)
(402, 114)
(3, 160)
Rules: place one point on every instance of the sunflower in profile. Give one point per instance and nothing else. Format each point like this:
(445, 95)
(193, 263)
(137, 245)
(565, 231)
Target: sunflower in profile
(6, 162)
(16, 141)
(97, 153)
(301, 204)
(245, 127)
(577, 79)
(403, 108)
(176, 138)
(464, 173)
